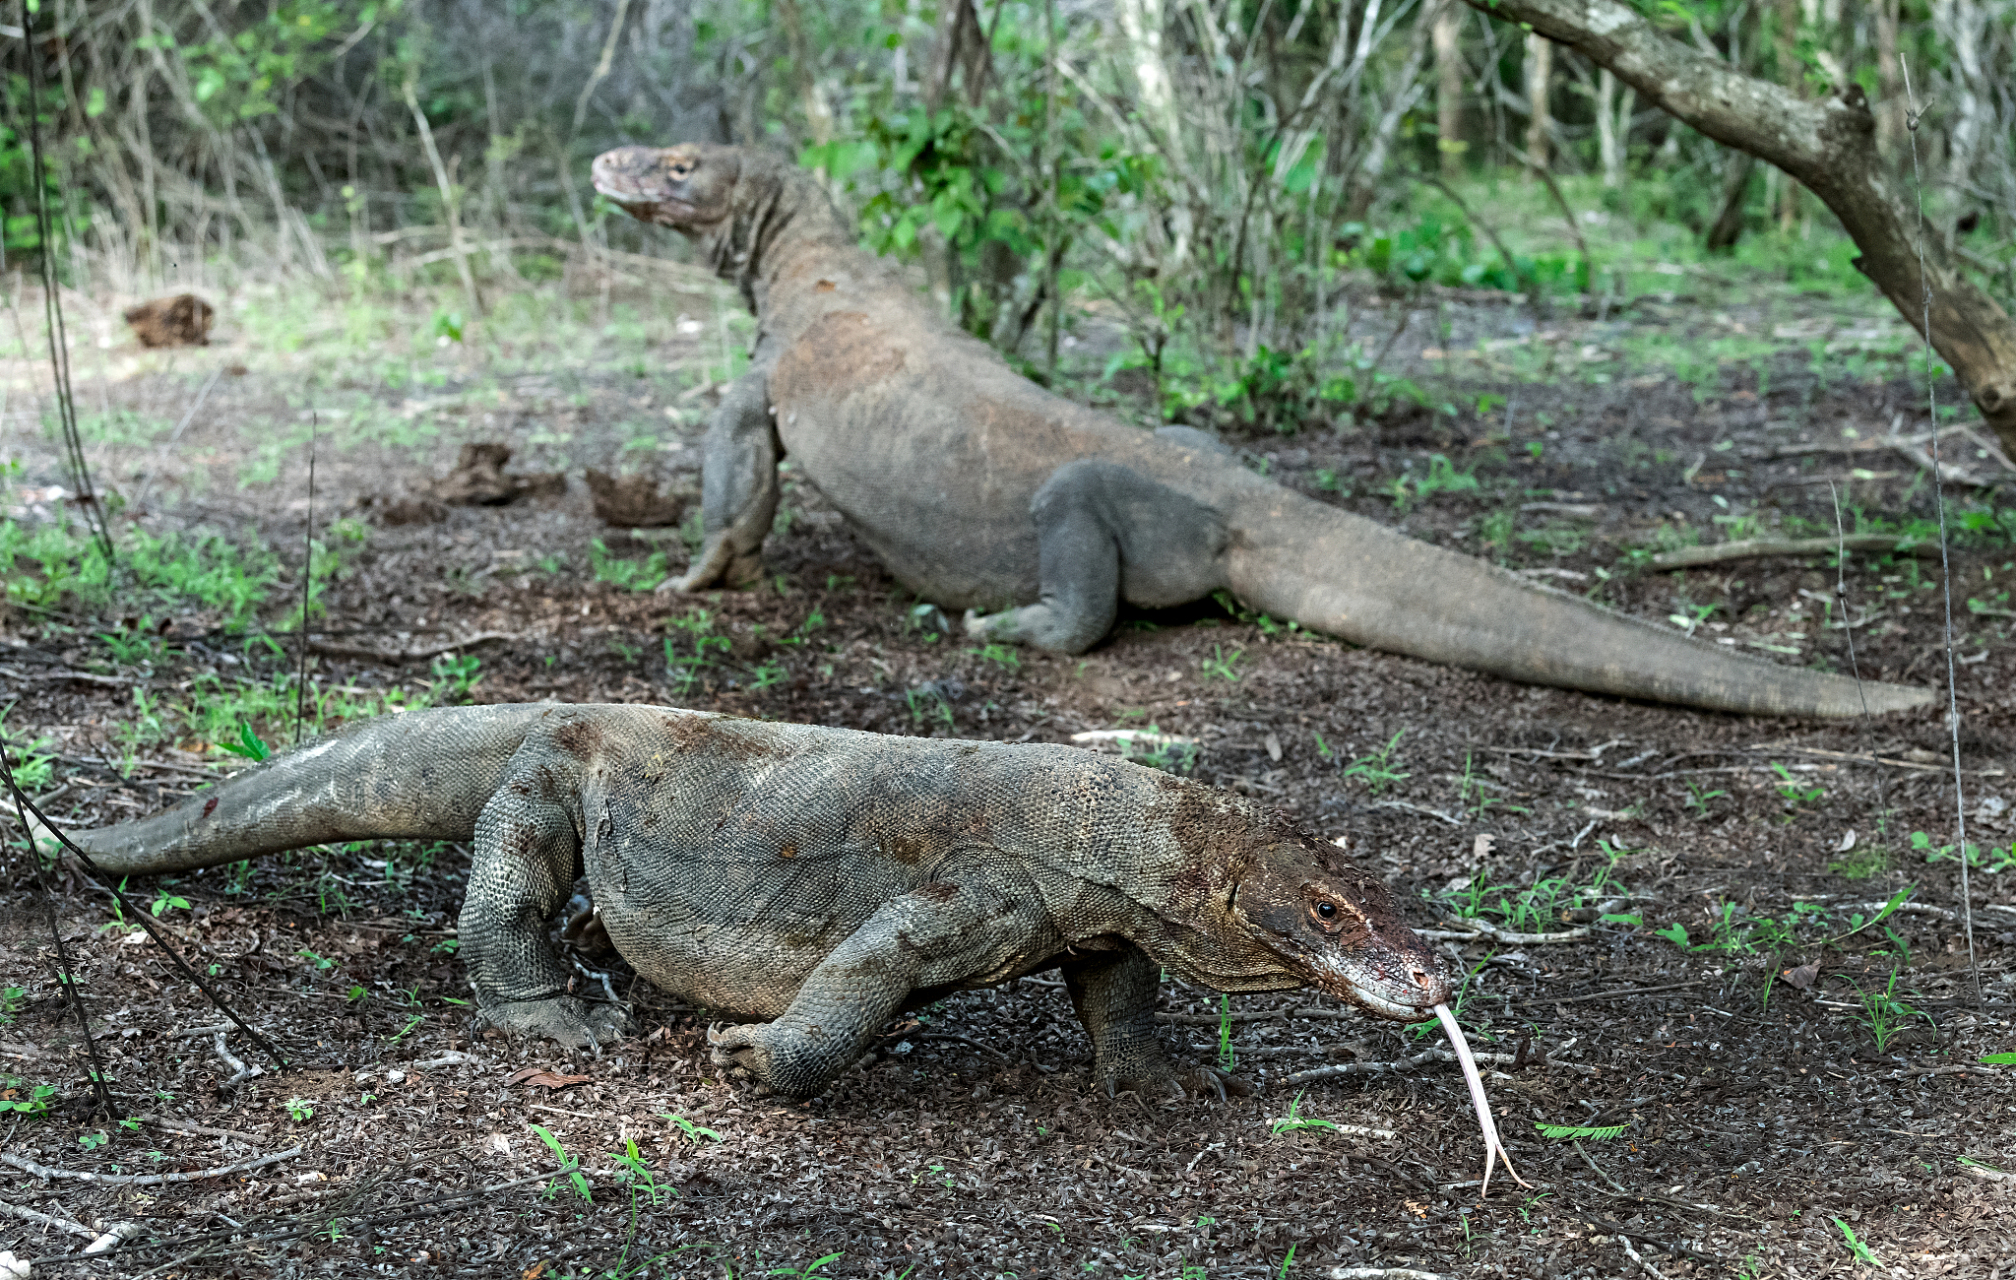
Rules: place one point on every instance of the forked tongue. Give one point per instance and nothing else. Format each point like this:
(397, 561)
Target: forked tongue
(1493, 1148)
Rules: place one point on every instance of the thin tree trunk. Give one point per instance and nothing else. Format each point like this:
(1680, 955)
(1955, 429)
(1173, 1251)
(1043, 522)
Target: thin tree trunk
(1728, 228)
(1449, 85)
(1786, 39)
(1539, 79)
(1890, 111)
(1609, 139)
(1827, 144)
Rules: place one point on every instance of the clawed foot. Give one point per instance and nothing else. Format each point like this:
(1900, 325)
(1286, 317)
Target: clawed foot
(1177, 1084)
(570, 1021)
(740, 1046)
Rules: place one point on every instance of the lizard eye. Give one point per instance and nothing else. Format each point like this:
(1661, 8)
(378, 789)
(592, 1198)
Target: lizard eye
(1326, 910)
(682, 169)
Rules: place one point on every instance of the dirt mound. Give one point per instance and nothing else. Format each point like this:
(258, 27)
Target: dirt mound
(633, 501)
(181, 321)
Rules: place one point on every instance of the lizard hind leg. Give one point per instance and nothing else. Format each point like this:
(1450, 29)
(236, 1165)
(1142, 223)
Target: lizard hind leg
(1105, 532)
(519, 875)
(1114, 994)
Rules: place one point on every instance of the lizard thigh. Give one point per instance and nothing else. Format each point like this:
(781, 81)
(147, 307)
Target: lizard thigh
(526, 852)
(1105, 533)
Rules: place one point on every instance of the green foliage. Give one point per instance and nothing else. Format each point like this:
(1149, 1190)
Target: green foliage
(1160, 751)
(36, 1100)
(59, 565)
(1884, 1014)
(1220, 666)
(569, 1167)
(300, 1109)
(1442, 477)
(1377, 770)
(626, 575)
(1228, 1057)
(691, 1132)
(1856, 1249)
(1296, 1122)
(1581, 1133)
(1992, 860)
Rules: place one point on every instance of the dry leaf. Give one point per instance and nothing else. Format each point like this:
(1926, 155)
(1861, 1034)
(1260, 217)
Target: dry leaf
(1803, 976)
(1847, 843)
(546, 1079)
(1273, 745)
(1481, 847)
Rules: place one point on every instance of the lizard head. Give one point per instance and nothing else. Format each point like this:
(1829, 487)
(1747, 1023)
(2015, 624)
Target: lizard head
(690, 187)
(1338, 929)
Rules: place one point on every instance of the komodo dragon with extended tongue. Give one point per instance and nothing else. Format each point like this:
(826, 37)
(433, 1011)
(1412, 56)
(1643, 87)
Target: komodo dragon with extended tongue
(981, 490)
(821, 879)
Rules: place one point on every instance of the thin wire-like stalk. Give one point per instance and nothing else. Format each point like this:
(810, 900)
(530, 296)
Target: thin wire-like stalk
(1945, 550)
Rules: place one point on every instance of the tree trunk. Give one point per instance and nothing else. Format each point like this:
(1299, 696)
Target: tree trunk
(1728, 228)
(1827, 144)
(1539, 78)
(1890, 82)
(1608, 145)
(1449, 86)
(1785, 38)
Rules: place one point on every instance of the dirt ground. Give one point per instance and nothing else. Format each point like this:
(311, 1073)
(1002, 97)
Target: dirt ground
(1763, 1129)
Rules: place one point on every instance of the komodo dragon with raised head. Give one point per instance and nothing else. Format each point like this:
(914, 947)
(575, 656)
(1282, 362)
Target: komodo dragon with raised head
(822, 879)
(982, 491)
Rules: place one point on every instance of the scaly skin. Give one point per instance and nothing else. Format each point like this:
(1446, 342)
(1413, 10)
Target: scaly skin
(982, 491)
(819, 881)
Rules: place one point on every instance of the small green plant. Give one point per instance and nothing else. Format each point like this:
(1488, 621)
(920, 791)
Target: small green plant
(691, 648)
(1002, 655)
(1993, 861)
(319, 961)
(691, 1132)
(569, 1167)
(1885, 1015)
(626, 575)
(2000, 1059)
(12, 999)
(1287, 1261)
(926, 703)
(1471, 797)
(1861, 1252)
(1581, 1133)
(1796, 795)
(1171, 755)
(455, 677)
(1220, 667)
(1376, 770)
(301, 1109)
(35, 1102)
(1296, 1122)
(249, 745)
(1863, 862)
(1228, 1057)
(1442, 477)
(165, 901)
(93, 1141)
(634, 1172)
(1699, 798)
(817, 1267)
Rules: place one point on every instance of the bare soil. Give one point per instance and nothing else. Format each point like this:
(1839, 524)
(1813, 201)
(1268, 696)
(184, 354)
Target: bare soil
(1762, 1122)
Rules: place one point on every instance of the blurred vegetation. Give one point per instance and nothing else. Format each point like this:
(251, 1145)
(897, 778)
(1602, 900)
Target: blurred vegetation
(1206, 174)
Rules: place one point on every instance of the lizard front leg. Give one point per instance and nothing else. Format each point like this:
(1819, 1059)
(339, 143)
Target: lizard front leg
(527, 848)
(971, 923)
(1114, 994)
(738, 487)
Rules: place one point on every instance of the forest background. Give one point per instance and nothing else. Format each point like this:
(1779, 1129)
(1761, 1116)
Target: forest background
(1204, 171)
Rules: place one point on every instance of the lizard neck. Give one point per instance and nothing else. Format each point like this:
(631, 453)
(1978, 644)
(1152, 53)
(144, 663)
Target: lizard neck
(779, 216)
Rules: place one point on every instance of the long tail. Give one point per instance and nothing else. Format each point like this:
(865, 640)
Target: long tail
(424, 775)
(1351, 577)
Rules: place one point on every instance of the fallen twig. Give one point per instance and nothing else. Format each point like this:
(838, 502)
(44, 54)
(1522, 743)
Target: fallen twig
(326, 649)
(26, 1214)
(1605, 995)
(47, 1173)
(1485, 929)
(1756, 548)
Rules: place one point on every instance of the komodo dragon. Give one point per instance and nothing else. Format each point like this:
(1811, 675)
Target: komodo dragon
(822, 879)
(980, 490)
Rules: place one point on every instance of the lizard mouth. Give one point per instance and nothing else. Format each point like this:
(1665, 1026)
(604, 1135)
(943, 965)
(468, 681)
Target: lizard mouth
(1408, 996)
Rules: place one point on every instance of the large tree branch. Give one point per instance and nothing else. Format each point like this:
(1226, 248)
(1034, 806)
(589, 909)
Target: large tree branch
(1829, 144)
